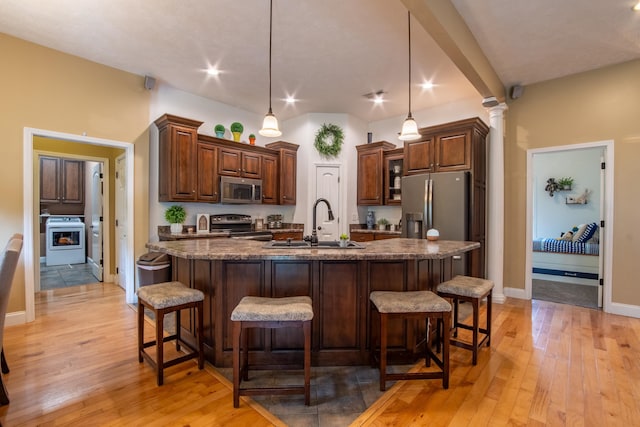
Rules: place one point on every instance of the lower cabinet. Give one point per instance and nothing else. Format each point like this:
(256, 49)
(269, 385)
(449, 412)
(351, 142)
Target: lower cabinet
(359, 236)
(340, 293)
(284, 235)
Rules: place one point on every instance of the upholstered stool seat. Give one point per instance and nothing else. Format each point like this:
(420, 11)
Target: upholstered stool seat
(164, 298)
(411, 305)
(473, 290)
(269, 313)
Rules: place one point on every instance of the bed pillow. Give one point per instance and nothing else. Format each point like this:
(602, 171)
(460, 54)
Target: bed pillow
(579, 232)
(588, 232)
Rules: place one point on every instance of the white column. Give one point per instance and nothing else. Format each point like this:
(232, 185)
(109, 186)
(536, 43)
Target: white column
(495, 191)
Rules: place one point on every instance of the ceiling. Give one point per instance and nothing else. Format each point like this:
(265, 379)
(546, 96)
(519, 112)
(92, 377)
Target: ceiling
(327, 54)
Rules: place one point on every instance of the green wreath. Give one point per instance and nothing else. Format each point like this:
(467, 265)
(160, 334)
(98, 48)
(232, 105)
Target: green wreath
(325, 131)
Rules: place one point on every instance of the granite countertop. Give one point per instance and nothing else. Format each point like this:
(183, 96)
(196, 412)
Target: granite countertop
(164, 232)
(390, 249)
(365, 230)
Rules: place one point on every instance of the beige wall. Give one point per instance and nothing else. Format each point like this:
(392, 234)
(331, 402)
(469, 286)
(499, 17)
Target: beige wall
(587, 107)
(46, 89)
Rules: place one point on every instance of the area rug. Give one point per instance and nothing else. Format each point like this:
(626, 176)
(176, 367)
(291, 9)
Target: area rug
(565, 293)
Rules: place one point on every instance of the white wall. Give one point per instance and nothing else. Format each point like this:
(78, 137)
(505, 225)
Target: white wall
(552, 215)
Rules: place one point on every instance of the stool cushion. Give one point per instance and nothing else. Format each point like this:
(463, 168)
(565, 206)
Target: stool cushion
(169, 294)
(273, 309)
(409, 302)
(466, 286)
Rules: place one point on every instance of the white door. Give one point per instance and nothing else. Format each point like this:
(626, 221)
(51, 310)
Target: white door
(328, 187)
(603, 196)
(121, 221)
(96, 259)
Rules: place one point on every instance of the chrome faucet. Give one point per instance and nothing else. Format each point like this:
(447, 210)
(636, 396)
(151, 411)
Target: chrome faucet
(314, 235)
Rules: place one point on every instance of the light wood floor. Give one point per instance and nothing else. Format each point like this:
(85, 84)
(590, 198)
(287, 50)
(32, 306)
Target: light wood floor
(548, 364)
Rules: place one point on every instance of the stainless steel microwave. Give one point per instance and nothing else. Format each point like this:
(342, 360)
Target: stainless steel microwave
(240, 190)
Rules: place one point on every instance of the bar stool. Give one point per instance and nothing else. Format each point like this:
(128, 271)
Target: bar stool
(269, 313)
(162, 299)
(473, 290)
(416, 305)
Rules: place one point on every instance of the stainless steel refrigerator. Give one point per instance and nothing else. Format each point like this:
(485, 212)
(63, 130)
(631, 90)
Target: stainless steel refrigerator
(440, 201)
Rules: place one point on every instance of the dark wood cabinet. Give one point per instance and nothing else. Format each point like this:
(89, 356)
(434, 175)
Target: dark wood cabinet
(190, 165)
(371, 172)
(284, 235)
(177, 159)
(393, 170)
(61, 180)
(270, 179)
(287, 171)
(360, 236)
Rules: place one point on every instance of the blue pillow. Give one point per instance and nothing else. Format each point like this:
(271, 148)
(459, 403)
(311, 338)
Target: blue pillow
(588, 232)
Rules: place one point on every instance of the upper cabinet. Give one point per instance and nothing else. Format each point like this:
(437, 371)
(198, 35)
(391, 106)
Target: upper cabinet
(177, 159)
(444, 148)
(371, 172)
(393, 171)
(190, 164)
(61, 180)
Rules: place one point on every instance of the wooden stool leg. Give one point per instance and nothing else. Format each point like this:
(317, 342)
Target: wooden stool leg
(140, 330)
(244, 351)
(3, 361)
(237, 331)
(160, 346)
(374, 328)
(446, 320)
(178, 330)
(456, 309)
(200, 335)
(383, 351)
(307, 362)
(476, 325)
(489, 319)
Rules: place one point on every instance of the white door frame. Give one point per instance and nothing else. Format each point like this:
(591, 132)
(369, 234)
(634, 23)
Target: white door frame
(607, 215)
(30, 217)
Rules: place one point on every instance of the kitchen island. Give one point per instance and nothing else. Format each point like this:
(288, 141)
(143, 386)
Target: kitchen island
(337, 280)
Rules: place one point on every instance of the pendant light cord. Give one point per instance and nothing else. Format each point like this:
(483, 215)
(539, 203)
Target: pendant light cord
(409, 26)
(270, 37)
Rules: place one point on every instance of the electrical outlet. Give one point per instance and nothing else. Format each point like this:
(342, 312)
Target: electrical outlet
(354, 217)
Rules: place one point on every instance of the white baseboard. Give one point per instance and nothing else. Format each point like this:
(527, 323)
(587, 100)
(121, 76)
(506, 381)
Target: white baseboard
(624, 309)
(15, 318)
(515, 293)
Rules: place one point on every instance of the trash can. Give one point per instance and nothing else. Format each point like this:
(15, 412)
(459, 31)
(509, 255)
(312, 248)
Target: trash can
(154, 267)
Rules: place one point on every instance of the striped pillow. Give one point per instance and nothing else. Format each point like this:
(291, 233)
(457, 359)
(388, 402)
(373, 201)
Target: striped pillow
(588, 232)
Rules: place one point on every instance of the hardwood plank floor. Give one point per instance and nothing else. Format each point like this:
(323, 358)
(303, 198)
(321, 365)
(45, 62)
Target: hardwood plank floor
(548, 364)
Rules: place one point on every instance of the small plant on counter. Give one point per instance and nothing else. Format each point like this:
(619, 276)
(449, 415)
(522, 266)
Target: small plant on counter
(382, 223)
(175, 215)
(344, 237)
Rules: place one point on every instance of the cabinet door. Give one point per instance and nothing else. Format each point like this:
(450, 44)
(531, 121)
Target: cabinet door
(207, 173)
(269, 179)
(358, 236)
(251, 165)
(183, 163)
(72, 181)
(288, 173)
(370, 177)
(49, 179)
(229, 162)
(393, 170)
(453, 152)
(418, 156)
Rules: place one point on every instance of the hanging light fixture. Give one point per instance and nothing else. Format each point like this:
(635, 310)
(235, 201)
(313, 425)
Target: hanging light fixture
(409, 127)
(270, 123)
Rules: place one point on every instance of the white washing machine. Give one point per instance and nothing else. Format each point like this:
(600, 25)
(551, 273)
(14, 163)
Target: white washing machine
(65, 241)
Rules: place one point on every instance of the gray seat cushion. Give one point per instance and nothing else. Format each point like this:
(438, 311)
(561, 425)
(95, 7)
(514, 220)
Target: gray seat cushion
(168, 294)
(466, 286)
(409, 302)
(262, 309)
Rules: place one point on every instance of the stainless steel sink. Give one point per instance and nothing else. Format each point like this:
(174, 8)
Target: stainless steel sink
(301, 244)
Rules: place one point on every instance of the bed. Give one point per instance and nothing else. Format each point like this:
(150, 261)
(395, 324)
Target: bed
(573, 258)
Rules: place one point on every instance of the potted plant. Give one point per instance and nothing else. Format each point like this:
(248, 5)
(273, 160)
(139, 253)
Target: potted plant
(175, 215)
(344, 240)
(565, 183)
(219, 130)
(236, 130)
(252, 139)
(382, 224)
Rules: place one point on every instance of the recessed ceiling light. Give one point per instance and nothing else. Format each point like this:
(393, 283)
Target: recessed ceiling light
(212, 71)
(636, 7)
(290, 99)
(377, 97)
(427, 85)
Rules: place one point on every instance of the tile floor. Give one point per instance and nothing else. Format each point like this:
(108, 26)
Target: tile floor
(61, 276)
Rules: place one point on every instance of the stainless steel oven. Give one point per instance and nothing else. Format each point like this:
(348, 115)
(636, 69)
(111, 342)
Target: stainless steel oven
(240, 190)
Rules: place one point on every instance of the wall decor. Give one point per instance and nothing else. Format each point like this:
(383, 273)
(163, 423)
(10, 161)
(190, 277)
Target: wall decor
(337, 135)
(202, 223)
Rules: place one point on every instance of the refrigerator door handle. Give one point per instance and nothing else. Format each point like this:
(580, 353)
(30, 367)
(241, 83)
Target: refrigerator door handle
(429, 204)
(457, 257)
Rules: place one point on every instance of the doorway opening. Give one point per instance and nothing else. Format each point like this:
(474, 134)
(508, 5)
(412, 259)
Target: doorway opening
(569, 205)
(31, 199)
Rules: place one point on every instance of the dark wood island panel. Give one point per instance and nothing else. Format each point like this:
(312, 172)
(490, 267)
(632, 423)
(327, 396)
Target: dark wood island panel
(338, 281)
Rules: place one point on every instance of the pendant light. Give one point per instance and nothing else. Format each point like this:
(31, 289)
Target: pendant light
(409, 127)
(270, 123)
